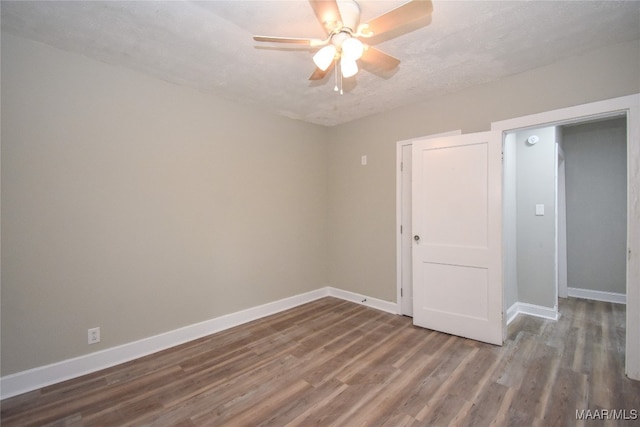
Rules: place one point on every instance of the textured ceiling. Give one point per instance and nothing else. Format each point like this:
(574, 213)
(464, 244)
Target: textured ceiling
(209, 46)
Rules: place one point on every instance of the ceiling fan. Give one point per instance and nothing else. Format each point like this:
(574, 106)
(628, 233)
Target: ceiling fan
(343, 45)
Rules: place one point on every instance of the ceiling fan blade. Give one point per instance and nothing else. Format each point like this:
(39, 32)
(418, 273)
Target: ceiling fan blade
(327, 13)
(292, 40)
(401, 15)
(376, 60)
(318, 74)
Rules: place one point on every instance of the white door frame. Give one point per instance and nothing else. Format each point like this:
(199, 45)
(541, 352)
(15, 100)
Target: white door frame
(561, 223)
(401, 257)
(629, 105)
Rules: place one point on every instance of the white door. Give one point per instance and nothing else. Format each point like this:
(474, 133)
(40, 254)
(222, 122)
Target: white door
(457, 247)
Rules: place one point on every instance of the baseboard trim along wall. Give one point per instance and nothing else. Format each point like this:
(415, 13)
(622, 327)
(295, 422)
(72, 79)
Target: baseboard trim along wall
(550, 313)
(597, 295)
(389, 307)
(33, 379)
(531, 310)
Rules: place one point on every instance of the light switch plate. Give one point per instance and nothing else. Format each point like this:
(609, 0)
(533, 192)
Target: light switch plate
(539, 210)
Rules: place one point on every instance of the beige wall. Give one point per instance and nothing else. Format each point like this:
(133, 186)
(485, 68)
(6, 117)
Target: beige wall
(362, 199)
(141, 207)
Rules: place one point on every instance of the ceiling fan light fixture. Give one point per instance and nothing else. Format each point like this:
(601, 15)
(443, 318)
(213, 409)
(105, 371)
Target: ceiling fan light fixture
(344, 33)
(349, 67)
(352, 49)
(324, 57)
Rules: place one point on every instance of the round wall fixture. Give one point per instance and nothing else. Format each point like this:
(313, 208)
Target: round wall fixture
(532, 140)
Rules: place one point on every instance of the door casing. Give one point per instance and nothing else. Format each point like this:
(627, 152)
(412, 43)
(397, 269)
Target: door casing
(403, 222)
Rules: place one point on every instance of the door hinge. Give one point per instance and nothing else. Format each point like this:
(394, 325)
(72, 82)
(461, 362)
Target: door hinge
(400, 229)
(400, 292)
(401, 166)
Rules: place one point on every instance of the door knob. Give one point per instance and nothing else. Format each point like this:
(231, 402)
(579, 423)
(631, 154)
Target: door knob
(416, 237)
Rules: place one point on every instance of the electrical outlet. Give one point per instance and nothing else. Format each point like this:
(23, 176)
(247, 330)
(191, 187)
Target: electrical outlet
(94, 335)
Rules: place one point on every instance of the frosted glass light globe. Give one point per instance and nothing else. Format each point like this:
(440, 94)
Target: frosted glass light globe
(324, 57)
(349, 67)
(352, 49)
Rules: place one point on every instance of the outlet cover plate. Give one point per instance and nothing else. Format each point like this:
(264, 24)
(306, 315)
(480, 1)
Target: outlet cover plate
(94, 335)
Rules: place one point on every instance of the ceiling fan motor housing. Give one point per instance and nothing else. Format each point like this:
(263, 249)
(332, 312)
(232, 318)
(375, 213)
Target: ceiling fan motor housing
(339, 38)
(350, 12)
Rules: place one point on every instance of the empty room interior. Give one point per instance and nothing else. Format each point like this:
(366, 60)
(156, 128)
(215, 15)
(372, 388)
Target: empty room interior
(442, 228)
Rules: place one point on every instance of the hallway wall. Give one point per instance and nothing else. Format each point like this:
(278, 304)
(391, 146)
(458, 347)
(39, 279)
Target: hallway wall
(536, 234)
(596, 182)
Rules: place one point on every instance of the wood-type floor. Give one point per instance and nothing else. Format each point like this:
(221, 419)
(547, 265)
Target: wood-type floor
(335, 363)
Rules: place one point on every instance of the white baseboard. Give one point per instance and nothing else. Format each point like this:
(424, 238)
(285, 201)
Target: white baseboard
(512, 312)
(32, 379)
(598, 295)
(389, 307)
(42, 376)
(531, 310)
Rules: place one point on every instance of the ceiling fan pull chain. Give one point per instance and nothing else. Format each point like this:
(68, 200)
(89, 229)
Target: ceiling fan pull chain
(335, 69)
(341, 92)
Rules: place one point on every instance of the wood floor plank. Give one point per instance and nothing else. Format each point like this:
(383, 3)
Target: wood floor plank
(318, 407)
(436, 373)
(512, 372)
(486, 407)
(442, 385)
(401, 400)
(296, 406)
(532, 397)
(475, 374)
(570, 394)
(333, 408)
(332, 362)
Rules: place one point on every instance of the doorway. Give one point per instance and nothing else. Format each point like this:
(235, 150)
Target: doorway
(564, 215)
(628, 107)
